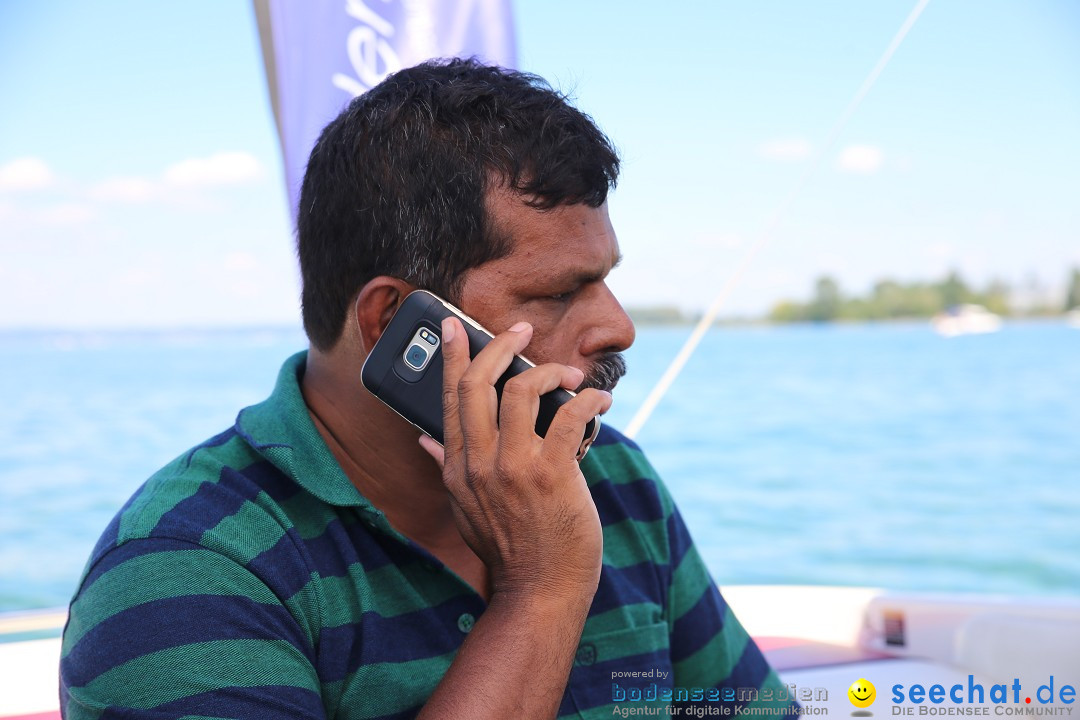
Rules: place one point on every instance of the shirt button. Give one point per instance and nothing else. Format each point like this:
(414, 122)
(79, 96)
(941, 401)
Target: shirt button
(465, 622)
(586, 654)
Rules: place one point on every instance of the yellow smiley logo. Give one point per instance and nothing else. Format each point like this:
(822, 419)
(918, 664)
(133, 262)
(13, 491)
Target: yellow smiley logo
(862, 693)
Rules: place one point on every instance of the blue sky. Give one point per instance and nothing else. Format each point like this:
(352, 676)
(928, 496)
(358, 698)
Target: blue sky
(141, 182)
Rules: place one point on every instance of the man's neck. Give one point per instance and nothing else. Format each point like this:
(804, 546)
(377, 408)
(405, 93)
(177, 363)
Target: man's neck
(378, 451)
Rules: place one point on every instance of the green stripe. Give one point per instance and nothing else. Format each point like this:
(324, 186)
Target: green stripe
(619, 464)
(396, 595)
(209, 666)
(713, 663)
(156, 576)
(311, 517)
(387, 688)
(248, 532)
(623, 617)
(689, 582)
(178, 481)
(632, 542)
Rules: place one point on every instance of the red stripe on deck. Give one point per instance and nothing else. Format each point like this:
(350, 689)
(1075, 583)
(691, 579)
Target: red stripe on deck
(794, 654)
(772, 643)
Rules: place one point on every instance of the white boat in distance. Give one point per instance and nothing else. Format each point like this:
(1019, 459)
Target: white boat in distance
(967, 319)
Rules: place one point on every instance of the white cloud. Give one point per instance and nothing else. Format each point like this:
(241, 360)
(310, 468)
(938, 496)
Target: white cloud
(940, 250)
(785, 149)
(127, 190)
(28, 173)
(228, 168)
(17, 220)
(136, 276)
(66, 214)
(241, 262)
(861, 159)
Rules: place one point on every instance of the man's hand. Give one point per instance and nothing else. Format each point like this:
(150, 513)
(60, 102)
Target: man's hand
(522, 505)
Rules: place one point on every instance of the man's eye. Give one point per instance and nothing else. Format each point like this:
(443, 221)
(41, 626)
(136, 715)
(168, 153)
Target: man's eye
(561, 297)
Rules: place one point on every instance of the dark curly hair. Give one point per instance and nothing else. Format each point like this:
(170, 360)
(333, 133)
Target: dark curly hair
(396, 184)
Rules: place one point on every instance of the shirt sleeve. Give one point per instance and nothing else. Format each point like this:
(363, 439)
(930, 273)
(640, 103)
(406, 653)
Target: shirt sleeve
(164, 628)
(710, 650)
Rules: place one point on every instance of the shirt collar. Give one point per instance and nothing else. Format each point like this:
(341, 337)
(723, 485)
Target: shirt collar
(281, 430)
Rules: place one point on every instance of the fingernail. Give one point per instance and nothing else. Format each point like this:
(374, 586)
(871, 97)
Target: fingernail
(519, 327)
(447, 330)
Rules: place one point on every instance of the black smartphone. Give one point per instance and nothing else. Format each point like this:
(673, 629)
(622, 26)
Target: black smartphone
(405, 368)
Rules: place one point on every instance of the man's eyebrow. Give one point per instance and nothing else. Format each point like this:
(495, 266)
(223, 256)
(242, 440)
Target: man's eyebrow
(583, 275)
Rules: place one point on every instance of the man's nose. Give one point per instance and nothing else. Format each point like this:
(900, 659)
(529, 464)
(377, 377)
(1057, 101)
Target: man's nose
(614, 330)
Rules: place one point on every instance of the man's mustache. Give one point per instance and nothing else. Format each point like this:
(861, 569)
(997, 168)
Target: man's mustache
(605, 373)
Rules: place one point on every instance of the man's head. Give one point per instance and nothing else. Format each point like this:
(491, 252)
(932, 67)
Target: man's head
(421, 179)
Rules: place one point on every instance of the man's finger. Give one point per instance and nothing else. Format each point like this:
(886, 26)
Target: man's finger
(564, 435)
(434, 449)
(455, 357)
(478, 401)
(521, 398)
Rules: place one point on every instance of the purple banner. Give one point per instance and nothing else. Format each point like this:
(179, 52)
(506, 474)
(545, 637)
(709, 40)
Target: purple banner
(319, 54)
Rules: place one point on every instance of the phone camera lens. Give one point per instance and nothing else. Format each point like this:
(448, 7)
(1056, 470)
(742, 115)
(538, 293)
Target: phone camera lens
(416, 356)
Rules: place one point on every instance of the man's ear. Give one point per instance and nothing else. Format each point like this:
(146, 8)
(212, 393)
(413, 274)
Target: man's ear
(375, 304)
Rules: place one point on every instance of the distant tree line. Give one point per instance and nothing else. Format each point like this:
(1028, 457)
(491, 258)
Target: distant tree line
(889, 300)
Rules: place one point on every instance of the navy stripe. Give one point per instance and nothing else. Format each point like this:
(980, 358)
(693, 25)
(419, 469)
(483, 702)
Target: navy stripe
(111, 536)
(284, 567)
(403, 715)
(627, 586)
(205, 508)
(378, 549)
(264, 702)
(566, 707)
(638, 500)
(265, 477)
(751, 670)
(610, 436)
(176, 621)
(338, 548)
(698, 625)
(679, 540)
(425, 633)
(592, 685)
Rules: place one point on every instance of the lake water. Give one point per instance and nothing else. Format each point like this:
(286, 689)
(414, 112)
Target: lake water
(875, 455)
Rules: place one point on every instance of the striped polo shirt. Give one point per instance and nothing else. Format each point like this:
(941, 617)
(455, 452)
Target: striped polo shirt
(249, 578)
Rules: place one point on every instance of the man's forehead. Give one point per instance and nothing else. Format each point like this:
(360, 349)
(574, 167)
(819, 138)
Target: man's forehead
(559, 255)
(566, 238)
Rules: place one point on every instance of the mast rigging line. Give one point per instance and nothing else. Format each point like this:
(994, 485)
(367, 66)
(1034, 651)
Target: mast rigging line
(688, 348)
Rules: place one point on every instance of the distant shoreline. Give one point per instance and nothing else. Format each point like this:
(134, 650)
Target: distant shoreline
(649, 317)
(642, 317)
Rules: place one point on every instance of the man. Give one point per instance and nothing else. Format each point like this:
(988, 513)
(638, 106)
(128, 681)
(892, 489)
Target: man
(318, 559)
